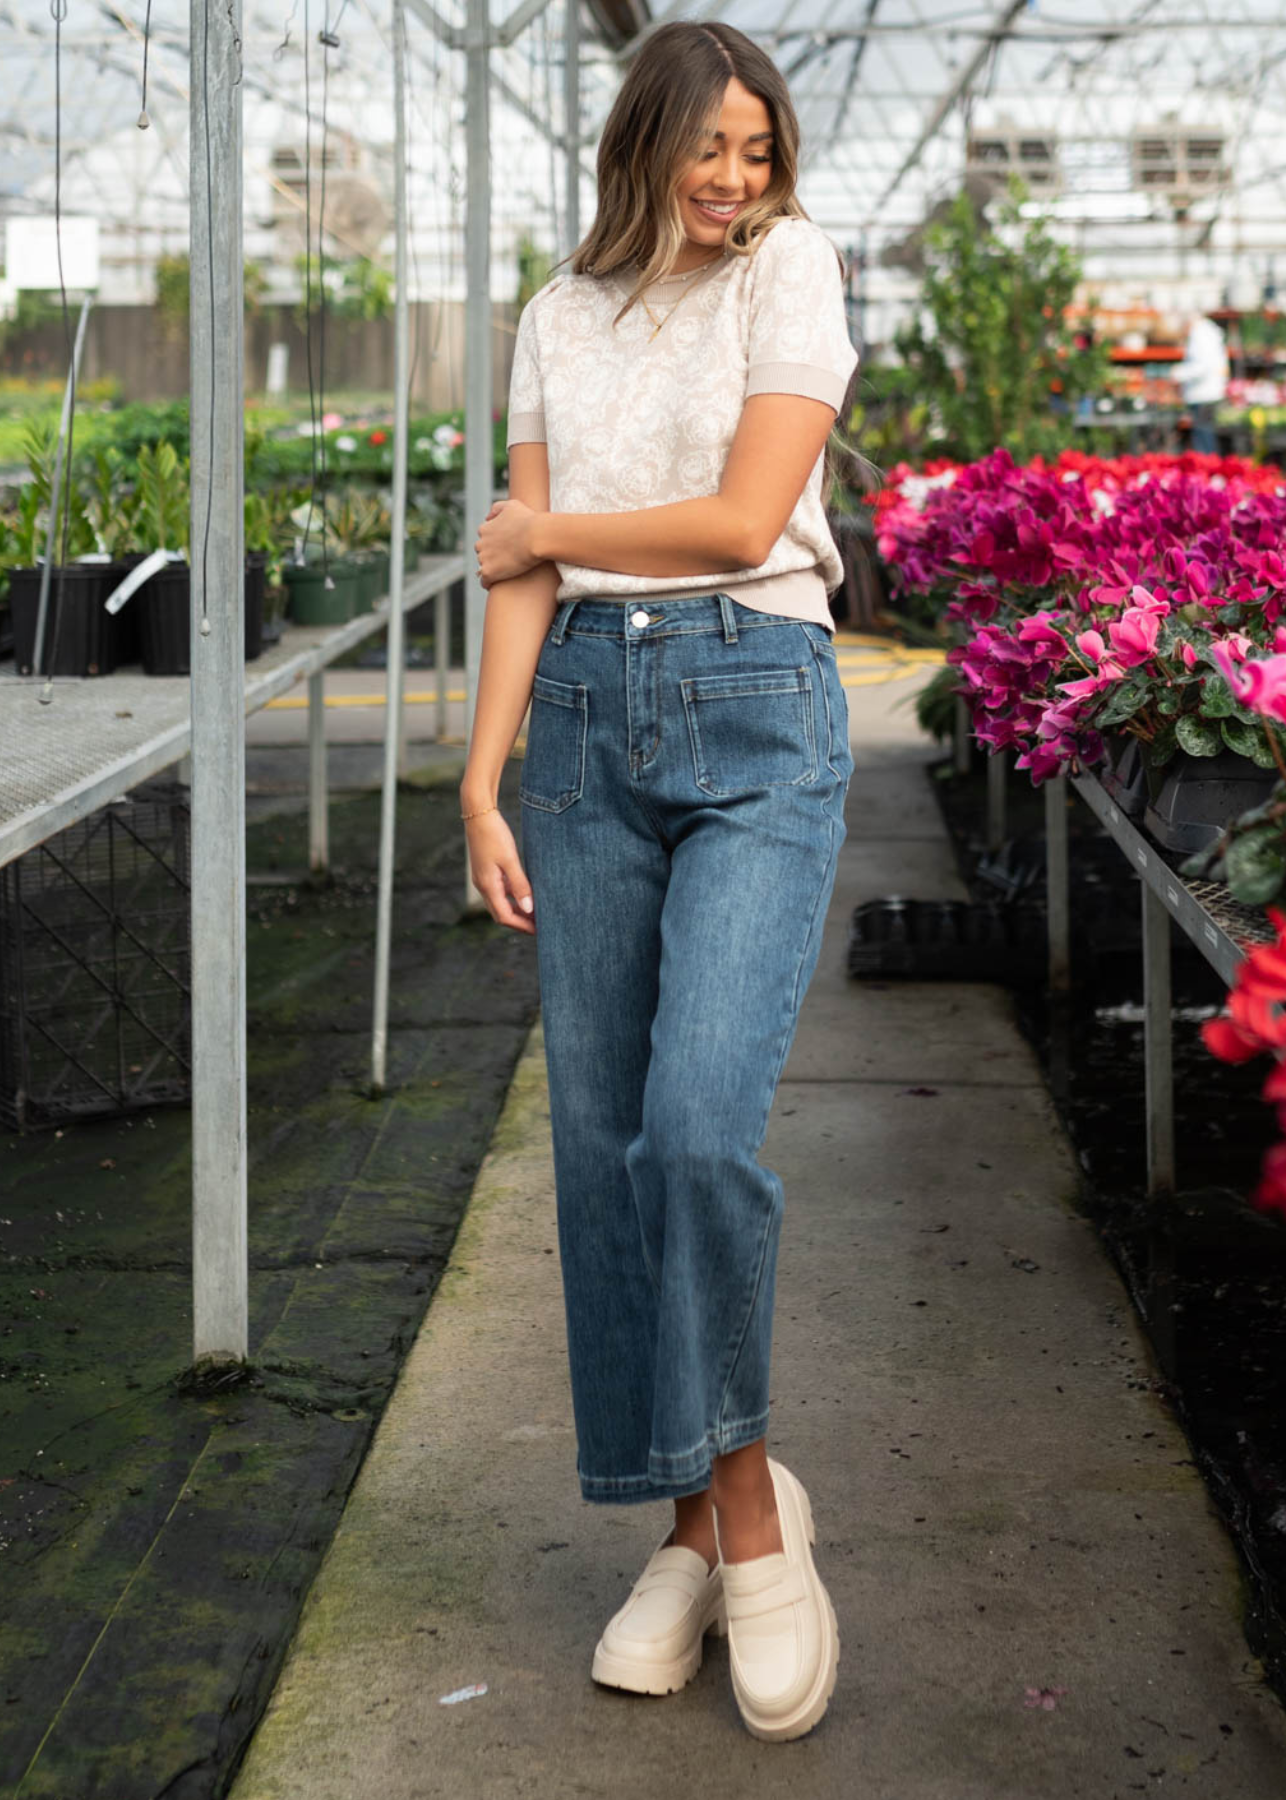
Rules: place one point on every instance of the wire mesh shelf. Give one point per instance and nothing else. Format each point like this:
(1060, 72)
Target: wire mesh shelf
(95, 964)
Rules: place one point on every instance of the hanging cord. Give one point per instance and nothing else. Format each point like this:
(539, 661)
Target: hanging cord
(284, 45)
(143, 120)
(328, 41)
(58, 10)
(308, 281)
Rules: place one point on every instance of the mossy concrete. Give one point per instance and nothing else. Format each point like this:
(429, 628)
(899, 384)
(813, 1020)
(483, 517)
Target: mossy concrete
(157, 1536)
(1036, 1599)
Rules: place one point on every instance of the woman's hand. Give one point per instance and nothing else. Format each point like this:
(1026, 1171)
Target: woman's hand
(496, 871)
(504, 543)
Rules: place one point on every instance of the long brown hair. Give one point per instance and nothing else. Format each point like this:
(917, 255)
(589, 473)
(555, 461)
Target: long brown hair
(666, 112)
(661, 120)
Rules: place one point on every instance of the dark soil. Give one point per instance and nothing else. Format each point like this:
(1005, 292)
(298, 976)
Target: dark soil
(1206, 1272)
(158, 1535)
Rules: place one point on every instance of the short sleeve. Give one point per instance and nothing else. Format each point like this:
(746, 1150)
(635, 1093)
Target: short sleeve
(798, 339)
(526, 396)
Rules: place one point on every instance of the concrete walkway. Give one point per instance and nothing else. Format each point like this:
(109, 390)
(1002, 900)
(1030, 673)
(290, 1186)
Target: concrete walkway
(1035, 1598)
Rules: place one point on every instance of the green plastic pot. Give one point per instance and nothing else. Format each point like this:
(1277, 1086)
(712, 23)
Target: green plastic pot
(312, 602)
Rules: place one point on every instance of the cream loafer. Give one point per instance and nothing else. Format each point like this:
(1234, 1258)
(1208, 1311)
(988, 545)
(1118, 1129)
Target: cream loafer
(783, 1639)
(653, 1645)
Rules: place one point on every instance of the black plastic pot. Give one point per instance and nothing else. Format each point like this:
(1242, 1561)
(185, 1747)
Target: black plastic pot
(256, 577)
(1200, 795)
(129, 631)
(1123, 776)
(165, 621)
(80, 638)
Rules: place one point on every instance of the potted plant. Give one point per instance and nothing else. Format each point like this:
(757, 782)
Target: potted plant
(80, 638)
(159, 521)
(323, 587)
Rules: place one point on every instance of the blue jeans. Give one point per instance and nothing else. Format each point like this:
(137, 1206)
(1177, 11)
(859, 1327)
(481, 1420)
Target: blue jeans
(682, 812)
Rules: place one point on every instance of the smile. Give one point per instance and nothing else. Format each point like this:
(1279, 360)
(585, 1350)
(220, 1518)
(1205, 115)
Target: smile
(722, 212)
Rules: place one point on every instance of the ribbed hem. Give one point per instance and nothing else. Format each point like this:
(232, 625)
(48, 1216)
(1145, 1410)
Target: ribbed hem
(526, 428)
(797, 378)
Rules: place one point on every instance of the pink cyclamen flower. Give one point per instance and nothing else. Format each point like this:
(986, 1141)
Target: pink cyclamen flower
(1134, 634)
(1189, 656)
(1259, 683)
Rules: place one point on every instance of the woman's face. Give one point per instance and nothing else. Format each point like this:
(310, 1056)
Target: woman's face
(735, 167)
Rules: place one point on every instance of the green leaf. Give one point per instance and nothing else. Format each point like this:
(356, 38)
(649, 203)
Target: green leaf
(1240, 737)
(1196, 737)
(1256, 865)
(1161, 748)
(1169, 700)
(1216, 698)
(1262, 755)
(1122, 703)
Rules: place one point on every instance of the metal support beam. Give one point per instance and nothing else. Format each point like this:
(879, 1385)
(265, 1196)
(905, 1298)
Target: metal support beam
(478, 430)
(519, 19)
(959, 85)
(442, 658)
(219, 1243)
(396, 624)
(318, 795)
(1157, 1047)
(1057, 889)
(571, 112)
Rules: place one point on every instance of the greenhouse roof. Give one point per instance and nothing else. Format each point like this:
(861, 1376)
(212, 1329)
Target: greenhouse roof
(1152, 127)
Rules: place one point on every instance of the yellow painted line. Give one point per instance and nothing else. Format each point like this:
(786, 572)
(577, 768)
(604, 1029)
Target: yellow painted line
(299, 702)
(863, 662)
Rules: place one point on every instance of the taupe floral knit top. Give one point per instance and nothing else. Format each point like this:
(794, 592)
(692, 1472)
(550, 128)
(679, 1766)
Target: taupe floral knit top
(632, 420)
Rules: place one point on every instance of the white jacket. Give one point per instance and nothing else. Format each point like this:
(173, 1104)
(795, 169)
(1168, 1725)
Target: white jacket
(1203, 373)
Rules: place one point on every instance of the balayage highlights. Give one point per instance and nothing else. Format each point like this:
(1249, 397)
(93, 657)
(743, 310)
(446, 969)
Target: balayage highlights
(663, 118)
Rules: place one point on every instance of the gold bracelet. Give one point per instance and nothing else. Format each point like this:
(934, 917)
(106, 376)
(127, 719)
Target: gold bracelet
(480, 811)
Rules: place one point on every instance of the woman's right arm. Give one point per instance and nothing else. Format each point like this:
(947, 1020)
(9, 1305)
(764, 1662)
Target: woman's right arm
(518, 616)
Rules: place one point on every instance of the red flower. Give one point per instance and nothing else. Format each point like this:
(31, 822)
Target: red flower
(378, 437)
(1270, 1195)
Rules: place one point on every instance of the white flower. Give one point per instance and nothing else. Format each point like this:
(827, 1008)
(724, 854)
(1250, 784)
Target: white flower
(346, 442)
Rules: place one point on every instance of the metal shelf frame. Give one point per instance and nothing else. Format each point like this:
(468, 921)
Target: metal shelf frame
(1165, 896)
(113, 760)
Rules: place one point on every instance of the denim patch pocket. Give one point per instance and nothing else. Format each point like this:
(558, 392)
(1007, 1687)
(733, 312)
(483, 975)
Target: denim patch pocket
(553, 765)
(751, 729)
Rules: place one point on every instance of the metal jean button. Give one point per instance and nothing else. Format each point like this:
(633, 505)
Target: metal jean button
(639, 618)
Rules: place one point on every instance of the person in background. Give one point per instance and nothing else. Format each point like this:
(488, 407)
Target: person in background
(1203, 377)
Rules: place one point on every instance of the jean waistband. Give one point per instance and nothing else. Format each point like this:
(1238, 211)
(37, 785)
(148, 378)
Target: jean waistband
(653, 615)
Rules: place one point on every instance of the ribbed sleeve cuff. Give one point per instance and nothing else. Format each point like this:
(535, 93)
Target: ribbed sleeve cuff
(797, 378)
(526, 428)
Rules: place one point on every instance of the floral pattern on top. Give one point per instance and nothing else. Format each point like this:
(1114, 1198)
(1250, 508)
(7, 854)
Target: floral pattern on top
(635, 420)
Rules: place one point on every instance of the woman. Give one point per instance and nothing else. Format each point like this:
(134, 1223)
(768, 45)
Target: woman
(657, 589)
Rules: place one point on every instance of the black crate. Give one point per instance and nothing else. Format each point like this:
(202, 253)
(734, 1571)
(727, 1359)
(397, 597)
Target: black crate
(95, 965)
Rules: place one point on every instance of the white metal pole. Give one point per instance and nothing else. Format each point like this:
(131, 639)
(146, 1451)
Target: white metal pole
(442, 657)
(318, 790)
(396, 633)
(478, 434)
(571, 110)
(219, 1247)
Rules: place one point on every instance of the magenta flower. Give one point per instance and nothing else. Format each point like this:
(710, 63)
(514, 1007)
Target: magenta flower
(1259, 683)
(1134, 635)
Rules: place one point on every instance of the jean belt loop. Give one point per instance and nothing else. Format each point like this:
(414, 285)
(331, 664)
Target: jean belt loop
(559, 626)
(729, 619)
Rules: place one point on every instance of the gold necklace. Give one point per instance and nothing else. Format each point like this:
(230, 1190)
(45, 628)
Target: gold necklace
(657, 323)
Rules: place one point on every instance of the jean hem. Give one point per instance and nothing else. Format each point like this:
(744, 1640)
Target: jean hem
(671, 1477)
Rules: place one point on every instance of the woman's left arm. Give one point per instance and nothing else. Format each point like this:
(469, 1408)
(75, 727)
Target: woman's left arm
(778, 441)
